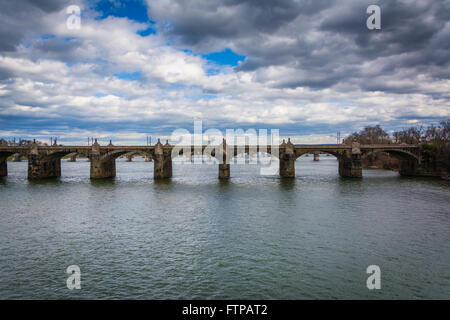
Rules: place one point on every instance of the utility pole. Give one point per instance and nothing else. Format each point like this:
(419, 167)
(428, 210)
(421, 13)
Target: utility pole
(338, 137)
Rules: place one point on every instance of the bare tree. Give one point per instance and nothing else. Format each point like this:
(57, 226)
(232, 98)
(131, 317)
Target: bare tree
(369, 135)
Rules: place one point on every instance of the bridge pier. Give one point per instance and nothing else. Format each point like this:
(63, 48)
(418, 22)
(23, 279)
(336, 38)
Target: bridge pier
(408, 167)
(287, 166)
(224, 166)
(224, 171)
(72, 159)
(162, 168)
(350, 165)
(316, 156)
(41, 167)
(101, 168)
(3, 167)
(129, 158)
(148, 158)
(287, 160)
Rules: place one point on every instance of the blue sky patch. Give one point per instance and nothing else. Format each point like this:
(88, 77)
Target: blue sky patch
(132, 9)
(212, 71)
(225, 57)
(146, 32)
(128, 76)
(99, 95)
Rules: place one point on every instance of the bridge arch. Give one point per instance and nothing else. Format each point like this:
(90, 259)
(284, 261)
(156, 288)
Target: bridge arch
(72, 154)
(396, 153)
(408, 161)
(113, 155)
(6, 154)
(245, 156)
(17, 157)
(3, 163)
(138, 153)
(57, 155)
(130, 155)
(301, 152)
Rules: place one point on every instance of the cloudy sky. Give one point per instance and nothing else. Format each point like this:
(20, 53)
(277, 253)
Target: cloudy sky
(135, 68)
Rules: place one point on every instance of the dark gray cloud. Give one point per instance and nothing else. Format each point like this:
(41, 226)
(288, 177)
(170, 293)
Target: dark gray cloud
(406, 26)
(57, 49)
(327, 41)
(197, 22)
(203, 22)
(19, 18)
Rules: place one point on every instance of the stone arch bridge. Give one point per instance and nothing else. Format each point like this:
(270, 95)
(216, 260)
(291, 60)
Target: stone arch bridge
(45, 161)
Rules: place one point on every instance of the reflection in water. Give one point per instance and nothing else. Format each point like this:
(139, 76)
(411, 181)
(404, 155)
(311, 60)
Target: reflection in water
(224, 184)
(103, 182)
(195, 236)
(163, 183)
(286, 184)
(45, 182)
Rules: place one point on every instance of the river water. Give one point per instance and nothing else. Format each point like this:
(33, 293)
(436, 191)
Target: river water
(195, 237)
